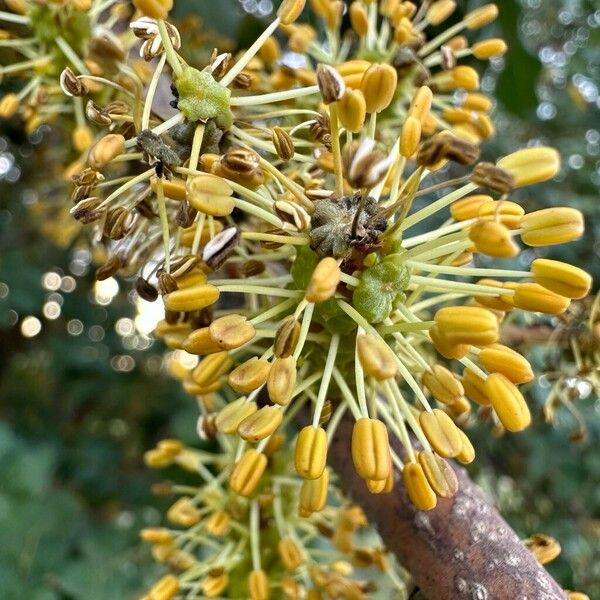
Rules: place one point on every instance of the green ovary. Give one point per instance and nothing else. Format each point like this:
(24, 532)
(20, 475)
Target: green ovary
(202, 98)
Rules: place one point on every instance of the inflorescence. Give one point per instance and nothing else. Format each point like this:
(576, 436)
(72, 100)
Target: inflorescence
(287, 210)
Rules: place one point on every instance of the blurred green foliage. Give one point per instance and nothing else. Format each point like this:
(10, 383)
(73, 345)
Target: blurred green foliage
(74, 490)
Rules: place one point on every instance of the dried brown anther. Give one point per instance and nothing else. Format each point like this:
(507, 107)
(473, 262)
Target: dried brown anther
(495, 178)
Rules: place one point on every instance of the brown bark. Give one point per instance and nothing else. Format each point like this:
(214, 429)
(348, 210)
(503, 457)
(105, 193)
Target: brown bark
(462, 549)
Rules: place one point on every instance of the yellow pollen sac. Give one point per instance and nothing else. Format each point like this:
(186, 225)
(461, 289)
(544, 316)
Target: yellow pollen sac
(551, 226)
(443, 385)
(218, 523)
(250, 375)
(270, 51)
(214, 585)
(489, 48)
(82, 137)
(467, 454)
(505, 212)
(482, 16)
(173, 188)
(439, 473)
(421, 104)
(502, 359)
(467, 325)
(503, 302)
(313, 494)
(440, 10)
(200, 342)
(508, 402)
(105, 149)
(164, 589)
(534, 297)
(324, 280)
(211, 367)
(444, 347)
(459, 77)
(545, 548)
(289, 554)
(156, 535)
(410, 136)
(183, 512)
(231, 331)
(474, 387)
(531, 165)
(371, 449)
(210, 194)
(258, 585)
(477, 102)
(157, 9)
(310, 456)
(441, 432)
(359, 19)
(247, 472)
(561, 278)
(469, 206)
(192, 298)
(376, 357)
(232, 414)
(493, 239)
(282, 380)
(260, 424)
(352, 109)
(290, 10)
(9, 106)
(352, 72)
(417, 487)
(378, 86)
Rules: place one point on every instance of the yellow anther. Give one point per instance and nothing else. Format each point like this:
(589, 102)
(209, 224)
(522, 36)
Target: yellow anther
(378, 86)
(324, 280)
(474, 387)
(467, 325)
(493, 239)
(183, 512)
(233, 413)
(544, 547)
(467, 454)
(417, 487)
(289, 554)
(561, 278)
(508, 402)
(482, 16)
(468, 207)
(502, 359)
(551, 226)
(250, 375)
(376, 357)
(210, 194)
(371, 449)
(313, 494)
(489, 48)
(534, 297)
(282, 380)
(439, 473)
(440, 10)
(192, 298)
(290, 10)
(247, 472)
(260, 424)
(443, 385)
(352, 109)
(441, 432)
(258, 585)
(105, 149)
(231, 331)
(531, 165)
(211, 367)
(410, 136)
(310, 456)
